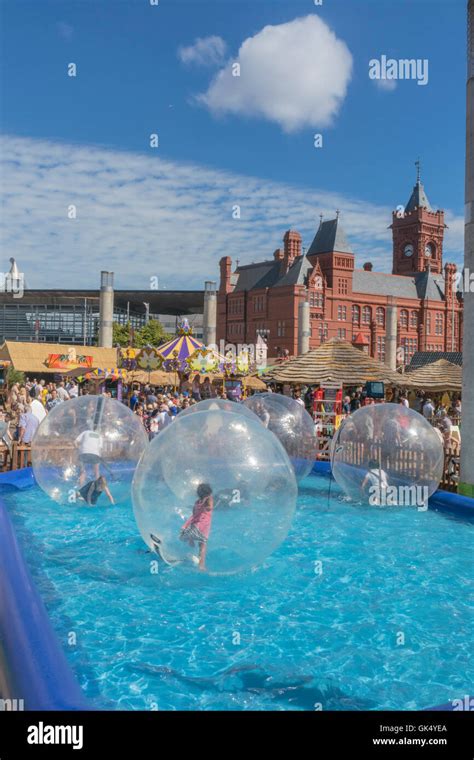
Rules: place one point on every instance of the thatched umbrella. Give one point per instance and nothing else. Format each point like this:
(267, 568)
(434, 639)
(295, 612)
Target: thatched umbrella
(156, 377)
(335, 362)
(437, 376)
(254, 383)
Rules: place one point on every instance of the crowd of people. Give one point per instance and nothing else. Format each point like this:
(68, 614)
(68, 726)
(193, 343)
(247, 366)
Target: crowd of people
(157, 407)
(25, 406)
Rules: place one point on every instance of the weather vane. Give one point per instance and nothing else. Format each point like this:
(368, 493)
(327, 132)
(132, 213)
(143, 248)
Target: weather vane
(418, 170)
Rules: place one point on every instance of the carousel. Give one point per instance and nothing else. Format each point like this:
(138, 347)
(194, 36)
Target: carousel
(184, 358)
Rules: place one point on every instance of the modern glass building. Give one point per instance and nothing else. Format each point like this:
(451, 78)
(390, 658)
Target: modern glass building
(72, 317)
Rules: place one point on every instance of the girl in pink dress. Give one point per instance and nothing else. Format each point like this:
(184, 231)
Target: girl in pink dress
(198, 527)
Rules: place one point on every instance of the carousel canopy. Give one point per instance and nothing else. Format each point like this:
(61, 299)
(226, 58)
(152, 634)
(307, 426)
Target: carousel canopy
(438, 376)
(334, 362)
(187, 354)
(180, 348)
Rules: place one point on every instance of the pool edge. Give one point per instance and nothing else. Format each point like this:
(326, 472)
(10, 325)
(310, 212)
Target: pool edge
(33, 667)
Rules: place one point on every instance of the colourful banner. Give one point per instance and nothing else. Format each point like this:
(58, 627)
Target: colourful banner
(149, 359)
(71, 360)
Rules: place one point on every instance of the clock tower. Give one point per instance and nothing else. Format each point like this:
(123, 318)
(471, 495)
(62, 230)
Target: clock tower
(417, 233)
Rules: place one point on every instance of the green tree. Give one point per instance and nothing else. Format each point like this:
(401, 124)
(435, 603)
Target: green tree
(121, 334)
(151, 334)
(14, 376)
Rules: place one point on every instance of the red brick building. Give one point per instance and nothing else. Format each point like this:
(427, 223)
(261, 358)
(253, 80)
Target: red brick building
(346, 302)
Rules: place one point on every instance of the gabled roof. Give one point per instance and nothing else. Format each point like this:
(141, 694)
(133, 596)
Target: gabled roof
(360, 340)
(330, 237)
(421, 285)
(267, 274)
(418, 199)
(297, 273)
(252, 276)
(430, 286)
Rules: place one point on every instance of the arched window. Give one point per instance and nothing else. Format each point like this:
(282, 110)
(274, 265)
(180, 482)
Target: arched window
(366, 315)
(414, 319)
(356, 315)
(380, 316)
(404, 318)
(428, 324)
(439, 323)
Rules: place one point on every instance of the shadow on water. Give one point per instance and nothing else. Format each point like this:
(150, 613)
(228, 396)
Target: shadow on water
(296, 691)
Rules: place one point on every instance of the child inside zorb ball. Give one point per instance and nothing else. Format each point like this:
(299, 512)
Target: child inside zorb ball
(86, 449)
(387, 455)
(231, 464)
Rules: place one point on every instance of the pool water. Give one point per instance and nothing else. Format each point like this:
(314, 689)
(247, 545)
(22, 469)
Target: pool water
(360, 608)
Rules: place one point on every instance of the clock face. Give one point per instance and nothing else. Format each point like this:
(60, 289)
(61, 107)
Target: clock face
(408, 250)
(429, 250)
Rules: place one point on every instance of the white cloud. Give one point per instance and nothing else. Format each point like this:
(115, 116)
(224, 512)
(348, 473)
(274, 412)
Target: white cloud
(295, 74)
(142, 216)
(386, 85)
(205, 51)
(65, 30)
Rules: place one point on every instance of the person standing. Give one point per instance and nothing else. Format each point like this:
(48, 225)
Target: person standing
(186, 386)
(73, 389)
(196, 388)
(164, 417)
(445, 425)
(206, 389)
(428, 410)
(53, 400)
(134, 400)
(28, 425)
(298, 398)
(197, 528)
(37, 407)
(62, 392)
(355, 402)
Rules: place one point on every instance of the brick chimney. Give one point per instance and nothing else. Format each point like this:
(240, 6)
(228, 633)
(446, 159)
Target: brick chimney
(225, 265)
(450, 281)
(291, 248)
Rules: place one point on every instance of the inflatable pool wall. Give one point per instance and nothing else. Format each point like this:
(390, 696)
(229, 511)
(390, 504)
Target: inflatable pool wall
(34, 672)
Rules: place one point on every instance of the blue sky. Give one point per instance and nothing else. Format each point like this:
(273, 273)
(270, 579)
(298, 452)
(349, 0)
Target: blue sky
(168, 211)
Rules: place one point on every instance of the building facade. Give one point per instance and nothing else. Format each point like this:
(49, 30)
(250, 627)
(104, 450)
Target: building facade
(345, 302)
(73, 316)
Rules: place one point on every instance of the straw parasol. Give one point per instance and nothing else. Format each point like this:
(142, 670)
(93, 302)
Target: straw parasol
(254, 383)
(335, 362)
(156, 377)
(437, 376)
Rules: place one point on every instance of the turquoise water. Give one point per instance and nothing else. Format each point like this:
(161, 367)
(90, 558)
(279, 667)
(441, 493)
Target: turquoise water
(385, 625)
